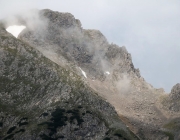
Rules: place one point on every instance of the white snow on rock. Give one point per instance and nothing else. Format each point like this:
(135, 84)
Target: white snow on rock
(83, 72)
(107, 72)
(15, 30)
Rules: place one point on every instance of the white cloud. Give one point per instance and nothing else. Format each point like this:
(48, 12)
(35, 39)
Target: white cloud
(149, 29)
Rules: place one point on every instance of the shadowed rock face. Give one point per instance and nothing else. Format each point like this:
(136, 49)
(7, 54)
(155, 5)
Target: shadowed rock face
(173, 100)
(63, 36)
(42, 100)
(44, 94)
(175, 92)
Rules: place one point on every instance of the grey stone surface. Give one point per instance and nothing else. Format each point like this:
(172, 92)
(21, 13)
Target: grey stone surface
(44, 94)
(42, 100)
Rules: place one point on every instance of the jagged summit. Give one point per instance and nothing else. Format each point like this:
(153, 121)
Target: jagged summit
(172, 101)
(64, 76)
(65, 20)
(44, 99)
(60, 33)
(175, 92)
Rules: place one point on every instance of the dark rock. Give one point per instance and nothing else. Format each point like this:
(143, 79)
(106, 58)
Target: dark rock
(175, 92)
(31, 85)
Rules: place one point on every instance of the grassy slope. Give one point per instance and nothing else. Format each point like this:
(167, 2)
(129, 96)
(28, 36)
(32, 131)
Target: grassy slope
(29, 86)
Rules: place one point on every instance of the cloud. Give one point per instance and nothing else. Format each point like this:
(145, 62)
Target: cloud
(149, 29)
(123, 85)
(11, 7)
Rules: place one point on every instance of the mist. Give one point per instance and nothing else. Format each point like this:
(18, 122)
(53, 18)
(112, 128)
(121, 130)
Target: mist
(150, 30)
(123, 85)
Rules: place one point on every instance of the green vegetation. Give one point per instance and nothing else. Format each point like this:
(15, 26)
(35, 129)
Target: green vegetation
(170, 135)
(21, 130)
(107, 138)
(1, 124)
(44, 114)
(35, 80)
(12, 51)
(9, 137)
(4, 37)
(121, 134)
(11, 129)
(173, 124)
(24, 123)
(59, 118)
(171, 127)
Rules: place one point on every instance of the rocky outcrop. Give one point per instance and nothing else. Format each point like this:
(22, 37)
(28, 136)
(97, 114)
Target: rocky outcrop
(174, 98)
(171, 105)
(62, 35)
(57, 78)
(172, 101)
(175, 93)
(42, 100)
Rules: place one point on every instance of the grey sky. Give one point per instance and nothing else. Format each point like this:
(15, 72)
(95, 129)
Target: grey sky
(149, 29)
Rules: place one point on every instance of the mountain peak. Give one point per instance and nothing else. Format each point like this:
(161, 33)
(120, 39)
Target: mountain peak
(60, 81)
(175, 92)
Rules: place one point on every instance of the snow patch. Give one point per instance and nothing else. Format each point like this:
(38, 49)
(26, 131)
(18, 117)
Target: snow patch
(15, 30)
(83, 72)
(107, 72)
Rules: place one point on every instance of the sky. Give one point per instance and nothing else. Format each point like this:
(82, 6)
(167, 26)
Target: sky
(150, 30)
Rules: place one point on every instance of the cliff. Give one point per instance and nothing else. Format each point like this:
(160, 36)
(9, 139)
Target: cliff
(60, 81)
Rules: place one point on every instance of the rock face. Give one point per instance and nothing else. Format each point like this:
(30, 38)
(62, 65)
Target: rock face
(172, 101)
(57, 78)
(63, 36)
(174, 98)
(42, 100)
(175, 92)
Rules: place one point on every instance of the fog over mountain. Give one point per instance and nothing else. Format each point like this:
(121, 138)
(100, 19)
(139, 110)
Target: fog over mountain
(150, 30)
(61, 81)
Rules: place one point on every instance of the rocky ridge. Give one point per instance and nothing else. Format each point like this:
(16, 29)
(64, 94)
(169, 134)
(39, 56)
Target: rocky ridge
(110, 73)
(41, 100)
